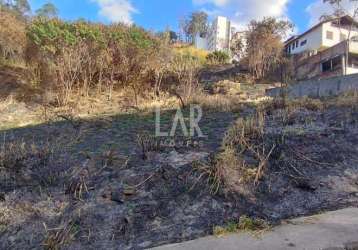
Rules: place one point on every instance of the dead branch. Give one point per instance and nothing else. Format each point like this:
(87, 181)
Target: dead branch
(303, 157)
(262, 165)
(182, 103)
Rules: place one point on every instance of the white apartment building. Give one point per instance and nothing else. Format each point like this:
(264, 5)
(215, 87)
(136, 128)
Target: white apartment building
(323, 49)
(218, 37)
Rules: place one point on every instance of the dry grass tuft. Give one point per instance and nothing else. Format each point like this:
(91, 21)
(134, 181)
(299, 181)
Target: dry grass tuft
(245, 224)
(291, 105)
(78, 183)
(226, 88)
(230, 228)
(307, 103)
(16, 114)
(250, 224)
(286, 110)
(25, 163)
(349, 99)
(147, 143)
(60, 237)
(15, 154)
(6, 215)
(245, 130)
(218, 102)
(226, 170)
(19, 114)
(243, 159)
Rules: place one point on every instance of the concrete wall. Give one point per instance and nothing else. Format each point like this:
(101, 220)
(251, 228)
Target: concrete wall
(201, 43)
(318, 88)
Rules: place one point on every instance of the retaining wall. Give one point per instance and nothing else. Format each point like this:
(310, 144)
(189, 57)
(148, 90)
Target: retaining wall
(318, 88)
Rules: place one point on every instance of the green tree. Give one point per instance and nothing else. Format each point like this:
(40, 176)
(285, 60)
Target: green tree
(264, 45)
(22, 7)
(48, 10)
(168, 36)
(237, 46)
(196, 24)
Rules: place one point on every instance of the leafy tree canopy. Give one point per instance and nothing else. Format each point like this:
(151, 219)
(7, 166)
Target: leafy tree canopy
(196, 24)
(48, 10)
(22, 6)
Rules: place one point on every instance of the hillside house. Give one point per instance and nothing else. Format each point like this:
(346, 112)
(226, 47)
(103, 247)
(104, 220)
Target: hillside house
(324, 50)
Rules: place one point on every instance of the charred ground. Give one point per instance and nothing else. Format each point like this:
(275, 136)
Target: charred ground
(85, 183)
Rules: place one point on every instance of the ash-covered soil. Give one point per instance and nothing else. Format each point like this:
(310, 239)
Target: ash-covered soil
(316, 168)
(86, 185)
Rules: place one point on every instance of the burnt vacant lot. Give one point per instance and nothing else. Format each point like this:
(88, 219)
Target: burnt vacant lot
(101, 184)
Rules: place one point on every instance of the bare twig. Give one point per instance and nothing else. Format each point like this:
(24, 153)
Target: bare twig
(303, 157)
(262, 165)
(145, 181)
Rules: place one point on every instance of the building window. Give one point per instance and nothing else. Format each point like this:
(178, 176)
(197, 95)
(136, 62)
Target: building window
(326, 66)
(293, 46)
(332, 64)
(329, 35)
(343, 37)
(297, 42)
(303, 43)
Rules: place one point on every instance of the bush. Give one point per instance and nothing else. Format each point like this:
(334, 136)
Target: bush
(80, 59)
(12, 37)
(80, 56)
(185, 69)
(241, 164)
(218, 57)
(199, 54)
